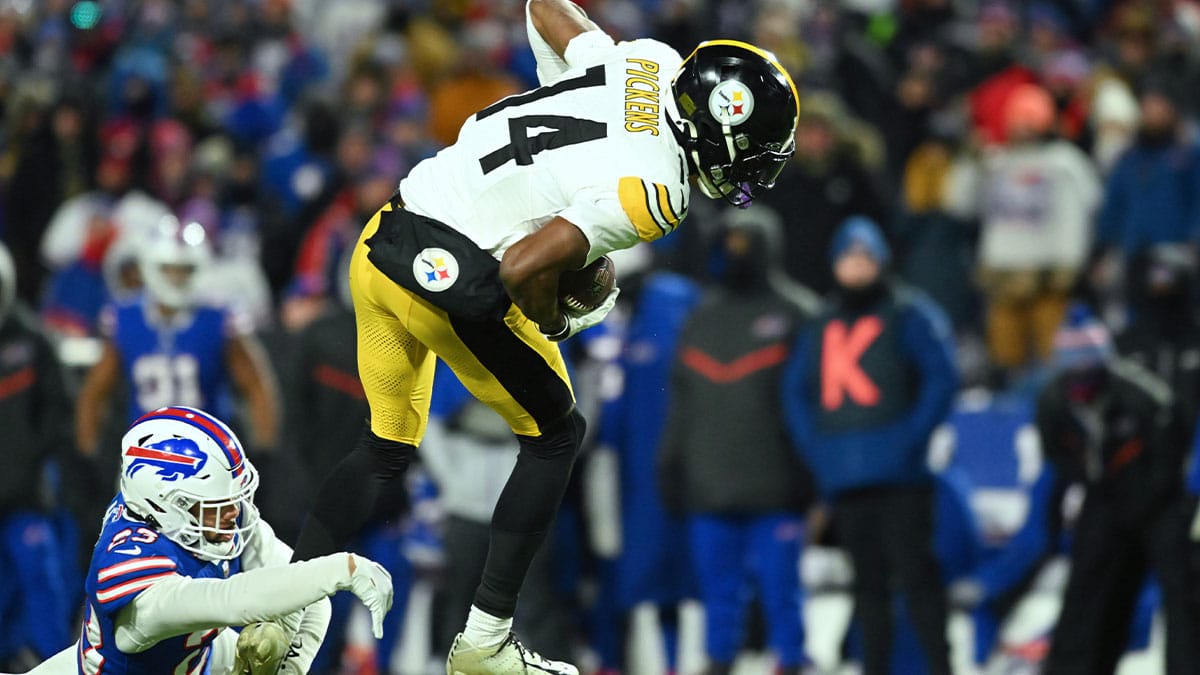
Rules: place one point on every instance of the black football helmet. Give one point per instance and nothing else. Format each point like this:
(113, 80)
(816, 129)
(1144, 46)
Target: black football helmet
(739, 109)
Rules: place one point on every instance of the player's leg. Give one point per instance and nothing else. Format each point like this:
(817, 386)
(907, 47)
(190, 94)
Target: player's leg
(908, 536)
(44, 614)
(775, 542)
(1098, 560)
(512, 368)
(515, 370)
(1170, 561)
(396, 371)
(858, 518)
(718, 547)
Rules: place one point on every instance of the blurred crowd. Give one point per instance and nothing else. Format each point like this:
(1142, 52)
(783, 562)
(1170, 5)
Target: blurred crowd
(915, 349)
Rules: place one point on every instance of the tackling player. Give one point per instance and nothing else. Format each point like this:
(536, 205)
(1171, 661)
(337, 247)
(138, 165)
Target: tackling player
(464, 261)
(182, 554)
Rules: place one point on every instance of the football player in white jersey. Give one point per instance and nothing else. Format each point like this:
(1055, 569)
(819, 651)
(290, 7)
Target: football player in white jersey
(463, 264)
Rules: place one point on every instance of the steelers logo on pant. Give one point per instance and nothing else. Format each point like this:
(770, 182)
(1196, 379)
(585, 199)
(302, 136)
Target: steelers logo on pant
(435, 269)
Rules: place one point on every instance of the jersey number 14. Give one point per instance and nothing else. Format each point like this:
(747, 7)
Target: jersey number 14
(558, 131)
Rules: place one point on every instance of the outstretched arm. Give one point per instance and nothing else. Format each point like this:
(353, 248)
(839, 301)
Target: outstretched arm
(180, 605)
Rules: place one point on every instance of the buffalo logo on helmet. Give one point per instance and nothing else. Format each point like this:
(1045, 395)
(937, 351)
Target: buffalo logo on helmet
(172, 459)
(731, 102)
(435, 269)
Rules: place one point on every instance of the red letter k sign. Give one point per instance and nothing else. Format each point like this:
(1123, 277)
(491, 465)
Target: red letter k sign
(841, 374)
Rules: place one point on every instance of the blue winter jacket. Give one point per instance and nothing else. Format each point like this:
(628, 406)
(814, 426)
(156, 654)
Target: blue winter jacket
(1152, 197)
(891, 454)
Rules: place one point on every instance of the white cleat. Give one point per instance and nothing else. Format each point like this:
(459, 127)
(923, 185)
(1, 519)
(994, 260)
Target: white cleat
(261, 648)
(510, 657)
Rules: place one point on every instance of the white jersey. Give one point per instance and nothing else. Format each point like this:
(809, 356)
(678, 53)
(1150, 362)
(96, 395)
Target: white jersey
(593, 146)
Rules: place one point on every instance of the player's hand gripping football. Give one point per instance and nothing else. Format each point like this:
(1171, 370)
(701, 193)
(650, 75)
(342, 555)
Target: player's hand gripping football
(582, 320)
(373, 585)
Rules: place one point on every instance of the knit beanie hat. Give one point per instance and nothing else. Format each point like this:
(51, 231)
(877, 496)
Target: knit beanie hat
(860, 231)
(1029, 107)
(1082, 342)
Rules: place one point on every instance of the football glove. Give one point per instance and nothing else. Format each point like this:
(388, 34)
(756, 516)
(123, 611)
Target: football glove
(373, 585)
(577, 321)
(261, 647)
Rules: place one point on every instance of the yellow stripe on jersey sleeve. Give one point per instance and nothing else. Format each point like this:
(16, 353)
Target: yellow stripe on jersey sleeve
(664, 206)
(635, 200)
(649, 207)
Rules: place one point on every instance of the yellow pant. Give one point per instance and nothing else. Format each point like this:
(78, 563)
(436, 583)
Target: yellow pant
(1013, 325)
(509, 364)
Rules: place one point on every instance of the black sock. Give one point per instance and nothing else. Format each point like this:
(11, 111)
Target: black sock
(526, 510)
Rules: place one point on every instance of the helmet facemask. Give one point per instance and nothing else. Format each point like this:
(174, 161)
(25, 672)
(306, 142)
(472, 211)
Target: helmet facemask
(737, 170)
(202, 533)
(193, 521)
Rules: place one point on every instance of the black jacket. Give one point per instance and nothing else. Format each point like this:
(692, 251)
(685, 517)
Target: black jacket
(1169, 348)
(35, 412)
(726, 448)
(1130, 451)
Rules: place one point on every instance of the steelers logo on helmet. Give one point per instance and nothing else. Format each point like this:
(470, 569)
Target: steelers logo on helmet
(435, 269)
(731, 102)
(737, 144)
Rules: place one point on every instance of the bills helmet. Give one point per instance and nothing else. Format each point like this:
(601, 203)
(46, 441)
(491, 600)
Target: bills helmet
(739, 109)
(171, 258)
(182, 472)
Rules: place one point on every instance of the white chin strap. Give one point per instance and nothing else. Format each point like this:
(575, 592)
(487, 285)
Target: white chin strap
(706, 186)
(705, 183)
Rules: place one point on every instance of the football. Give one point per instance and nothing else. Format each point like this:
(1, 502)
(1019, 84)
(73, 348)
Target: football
(584, 289)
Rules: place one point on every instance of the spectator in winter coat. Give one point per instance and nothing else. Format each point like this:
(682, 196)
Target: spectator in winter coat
(1164, 334)
(1110, 425)
(726, 461)
(36, 599)
(867, 383)
(1153, 194)
(1034, 197)
(938, 249)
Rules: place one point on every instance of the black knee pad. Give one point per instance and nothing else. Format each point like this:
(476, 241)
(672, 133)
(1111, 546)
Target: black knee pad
(389, 459)
(561, 437)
